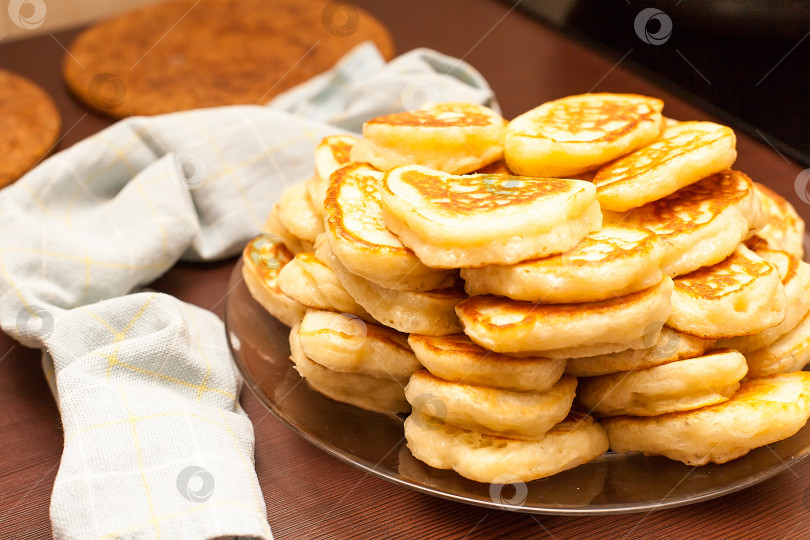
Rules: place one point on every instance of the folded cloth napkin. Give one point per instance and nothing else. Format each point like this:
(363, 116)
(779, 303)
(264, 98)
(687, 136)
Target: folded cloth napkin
(363, 86)
(156, 444)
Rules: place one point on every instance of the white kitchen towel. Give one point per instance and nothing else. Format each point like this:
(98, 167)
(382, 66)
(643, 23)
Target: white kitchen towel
(156, 444)
(362, 86)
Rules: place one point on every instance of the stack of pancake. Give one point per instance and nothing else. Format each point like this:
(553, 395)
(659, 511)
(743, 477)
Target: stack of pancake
(588, 275)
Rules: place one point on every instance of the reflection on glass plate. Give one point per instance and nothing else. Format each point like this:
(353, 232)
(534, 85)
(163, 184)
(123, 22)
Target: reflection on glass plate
(374, 442)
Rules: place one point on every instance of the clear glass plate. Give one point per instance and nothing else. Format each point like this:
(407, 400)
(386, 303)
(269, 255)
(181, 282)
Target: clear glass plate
(374, 442)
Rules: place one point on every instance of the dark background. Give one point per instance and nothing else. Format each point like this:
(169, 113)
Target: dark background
(733, 47)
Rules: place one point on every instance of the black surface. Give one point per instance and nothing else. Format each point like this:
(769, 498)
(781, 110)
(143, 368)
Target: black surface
(747, 61)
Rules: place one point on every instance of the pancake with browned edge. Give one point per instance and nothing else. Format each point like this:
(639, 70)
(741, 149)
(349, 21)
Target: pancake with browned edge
(456, 221)
(684, 154)
(29, 125)
(189, 54)
(575, 134)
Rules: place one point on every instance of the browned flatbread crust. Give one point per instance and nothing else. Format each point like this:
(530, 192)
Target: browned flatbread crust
(29, 126)
(187, 54)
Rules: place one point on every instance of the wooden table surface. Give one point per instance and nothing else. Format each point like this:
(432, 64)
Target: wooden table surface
(308, 493)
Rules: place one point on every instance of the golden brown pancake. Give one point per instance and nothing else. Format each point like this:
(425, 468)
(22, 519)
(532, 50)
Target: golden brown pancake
(330, 155)
(573, 487)
(190, 54)
(29, 125)
(579, 133)
(791, 352)
(614, 261)
(343, 342)
(456, 358)
(263, 258)
(474, 220)
(683, 385)
(379, 394)
(683, 155)
(795, 276)
(739, 296)
(360, 240)
(512, 326)
(670, 346)
(700, 224)
(274, 227)
(490, 410)
(763, 411)
(297, 214)
(489, 459)
(782, 228)
(451, 137)
(421, 312)
(670, 123)
(311, 283)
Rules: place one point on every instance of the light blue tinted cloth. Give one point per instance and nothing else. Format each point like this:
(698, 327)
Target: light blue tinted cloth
(362, 86)
(156, 444)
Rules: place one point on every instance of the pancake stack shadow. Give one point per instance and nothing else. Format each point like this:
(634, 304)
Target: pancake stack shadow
(590, 275)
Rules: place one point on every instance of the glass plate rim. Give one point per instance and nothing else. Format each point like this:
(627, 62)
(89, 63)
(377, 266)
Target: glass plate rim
(603, 510)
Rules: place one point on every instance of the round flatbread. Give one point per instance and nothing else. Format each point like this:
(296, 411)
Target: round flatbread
(29, 126)
(189, 54)
(297, 214)
(274, 227)
(330, 155)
